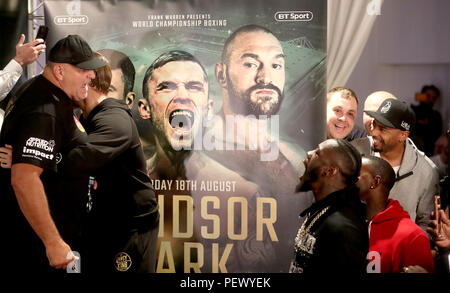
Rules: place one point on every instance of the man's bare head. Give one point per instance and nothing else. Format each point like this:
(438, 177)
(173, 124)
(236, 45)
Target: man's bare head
(376, 179)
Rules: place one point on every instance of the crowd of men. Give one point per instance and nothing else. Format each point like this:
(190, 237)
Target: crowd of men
(373, 205)
(410, 180)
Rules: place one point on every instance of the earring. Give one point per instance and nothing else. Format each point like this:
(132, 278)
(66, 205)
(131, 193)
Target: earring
(372, 187)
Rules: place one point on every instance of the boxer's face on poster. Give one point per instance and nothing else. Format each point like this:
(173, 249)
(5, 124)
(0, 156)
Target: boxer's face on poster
(256, 73)
(178, 97)
(117, 87)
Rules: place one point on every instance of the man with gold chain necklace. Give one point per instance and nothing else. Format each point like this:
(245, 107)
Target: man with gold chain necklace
(333, 237)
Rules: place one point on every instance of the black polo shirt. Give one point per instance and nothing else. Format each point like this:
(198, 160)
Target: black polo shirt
(40, 126)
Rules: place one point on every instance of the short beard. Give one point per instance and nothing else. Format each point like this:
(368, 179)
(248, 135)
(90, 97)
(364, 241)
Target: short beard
(242, 104)
(377, 150)
(381, 148)
(313, 176)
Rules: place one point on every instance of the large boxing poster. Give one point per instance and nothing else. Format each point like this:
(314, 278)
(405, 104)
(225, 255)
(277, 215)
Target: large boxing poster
(228, 96)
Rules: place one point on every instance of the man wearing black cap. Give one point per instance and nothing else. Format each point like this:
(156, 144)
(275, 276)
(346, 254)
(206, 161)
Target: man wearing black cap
(417, 178)
(39, 125)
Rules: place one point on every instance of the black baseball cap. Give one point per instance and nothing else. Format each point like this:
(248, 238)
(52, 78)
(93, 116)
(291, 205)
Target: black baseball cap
(394, 113)
(74, 50)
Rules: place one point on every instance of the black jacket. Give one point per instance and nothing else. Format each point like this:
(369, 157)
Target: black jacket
(125, 199)
(341, 239)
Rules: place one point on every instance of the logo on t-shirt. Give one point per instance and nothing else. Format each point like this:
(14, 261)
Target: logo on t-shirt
(42, 144)
(38, 148)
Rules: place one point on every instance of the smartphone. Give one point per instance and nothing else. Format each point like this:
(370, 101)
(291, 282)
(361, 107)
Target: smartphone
(42, 32)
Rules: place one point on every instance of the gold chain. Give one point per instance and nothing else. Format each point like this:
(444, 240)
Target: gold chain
(303, 231)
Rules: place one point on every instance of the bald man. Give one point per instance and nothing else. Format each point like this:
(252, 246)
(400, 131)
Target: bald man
(372, 103)
(392, 234)
(252, 76)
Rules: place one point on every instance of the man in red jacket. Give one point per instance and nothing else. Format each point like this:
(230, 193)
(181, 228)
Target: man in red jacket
(393, 237)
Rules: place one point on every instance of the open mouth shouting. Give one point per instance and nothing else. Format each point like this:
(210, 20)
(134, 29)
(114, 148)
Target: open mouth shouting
(182, 121)
(84, 90)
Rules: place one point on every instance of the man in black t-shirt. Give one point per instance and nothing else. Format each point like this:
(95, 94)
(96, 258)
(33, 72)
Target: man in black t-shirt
(39, 125)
